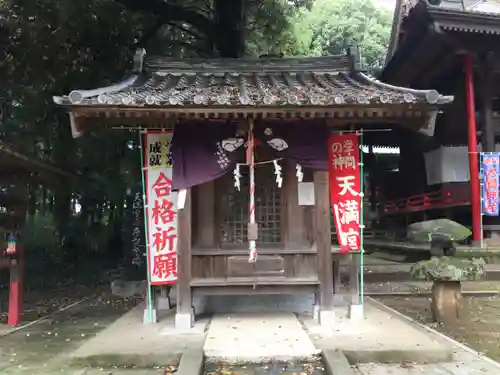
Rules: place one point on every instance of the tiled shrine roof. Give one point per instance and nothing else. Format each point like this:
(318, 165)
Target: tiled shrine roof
(331, 81)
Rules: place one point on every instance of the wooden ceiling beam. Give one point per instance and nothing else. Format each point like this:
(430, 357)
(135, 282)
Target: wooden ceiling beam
(410, 116)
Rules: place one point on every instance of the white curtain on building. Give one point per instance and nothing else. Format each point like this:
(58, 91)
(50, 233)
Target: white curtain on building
(449, 164)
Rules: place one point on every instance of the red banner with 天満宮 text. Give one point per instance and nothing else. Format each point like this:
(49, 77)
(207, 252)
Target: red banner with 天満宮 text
(345, 184)
(161, 209)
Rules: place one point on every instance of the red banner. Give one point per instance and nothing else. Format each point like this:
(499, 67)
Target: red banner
(345, 184)
(161, 209)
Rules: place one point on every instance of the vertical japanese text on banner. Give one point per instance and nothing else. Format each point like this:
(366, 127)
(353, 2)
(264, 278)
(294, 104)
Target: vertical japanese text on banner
(161, 210)
(345, 197)
(491, 168)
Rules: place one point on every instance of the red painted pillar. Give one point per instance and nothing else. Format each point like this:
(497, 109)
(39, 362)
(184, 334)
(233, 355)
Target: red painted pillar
(16, 291)
(472, 148)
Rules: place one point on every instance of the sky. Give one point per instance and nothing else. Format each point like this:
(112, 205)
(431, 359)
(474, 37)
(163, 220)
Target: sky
(389, 4)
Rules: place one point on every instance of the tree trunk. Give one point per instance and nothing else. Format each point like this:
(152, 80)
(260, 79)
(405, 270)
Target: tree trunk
(32, 200)
(446, 302)
(230, 27)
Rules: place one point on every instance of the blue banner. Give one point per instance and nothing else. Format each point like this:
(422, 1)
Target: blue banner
(491, 169)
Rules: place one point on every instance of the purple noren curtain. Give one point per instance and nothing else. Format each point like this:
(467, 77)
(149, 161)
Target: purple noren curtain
(302, 143)
(202, 152)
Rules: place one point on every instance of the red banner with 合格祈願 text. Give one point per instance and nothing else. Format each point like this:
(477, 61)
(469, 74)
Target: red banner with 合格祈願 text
(345, 184)
(161, 209)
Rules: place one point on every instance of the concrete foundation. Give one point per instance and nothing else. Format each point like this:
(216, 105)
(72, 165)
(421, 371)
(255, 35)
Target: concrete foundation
(163, 303)
(315, 313)
(355, 312)
(338, 300)
(146, 319)
(184, 322)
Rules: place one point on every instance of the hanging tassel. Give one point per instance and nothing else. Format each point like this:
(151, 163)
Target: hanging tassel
(237, 176)
(299, 173)
(277, 172)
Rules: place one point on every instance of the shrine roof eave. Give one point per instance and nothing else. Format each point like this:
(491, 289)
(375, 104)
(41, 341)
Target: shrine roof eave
(265, 87)
(13, 160)
(246, 91)
(470, 21)
(426, 24)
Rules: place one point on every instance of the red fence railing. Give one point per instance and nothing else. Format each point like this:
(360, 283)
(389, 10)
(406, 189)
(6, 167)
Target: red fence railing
(448, 197)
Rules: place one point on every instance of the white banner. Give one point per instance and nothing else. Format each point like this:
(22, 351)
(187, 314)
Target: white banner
(447, 164)
(161, 209)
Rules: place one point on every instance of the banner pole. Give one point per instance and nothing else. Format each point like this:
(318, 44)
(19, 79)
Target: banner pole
(481, 195)
(252, 247)
(361, 226)
(146, 233)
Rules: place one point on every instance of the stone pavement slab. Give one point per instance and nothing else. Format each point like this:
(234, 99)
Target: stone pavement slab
(130, 342)
(256, 337)
(377, 337)
(463, 363)
(96, 371)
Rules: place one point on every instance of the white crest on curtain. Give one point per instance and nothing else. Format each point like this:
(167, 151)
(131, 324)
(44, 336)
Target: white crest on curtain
(278, 144)
(232, 144)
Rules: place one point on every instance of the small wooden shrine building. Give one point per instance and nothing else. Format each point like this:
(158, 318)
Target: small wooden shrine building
(453, 47)
(293, 102)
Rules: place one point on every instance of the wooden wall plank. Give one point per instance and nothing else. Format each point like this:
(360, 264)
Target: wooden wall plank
(294, 218)
(204, 216)
(223, 266)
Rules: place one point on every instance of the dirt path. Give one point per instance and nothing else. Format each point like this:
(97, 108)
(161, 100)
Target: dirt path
(425, 287)
(37, 303)
(42, 347)
(479, 328)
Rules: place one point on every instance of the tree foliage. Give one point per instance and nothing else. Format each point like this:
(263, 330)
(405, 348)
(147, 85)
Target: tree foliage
(331, 26)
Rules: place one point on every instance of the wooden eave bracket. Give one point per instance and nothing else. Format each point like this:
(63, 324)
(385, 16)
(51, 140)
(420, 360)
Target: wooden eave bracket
(75, 131)
(430, 123)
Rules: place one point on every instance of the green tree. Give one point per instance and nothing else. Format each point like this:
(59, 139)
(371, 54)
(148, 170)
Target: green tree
(331, 26)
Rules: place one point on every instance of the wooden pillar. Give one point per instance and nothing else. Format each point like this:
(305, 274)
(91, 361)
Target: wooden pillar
(472, 149)
(354, 279)
(184, 317)
(337, 282)
(16, 290)
(485, 89)
(322, 236)
(370, 162)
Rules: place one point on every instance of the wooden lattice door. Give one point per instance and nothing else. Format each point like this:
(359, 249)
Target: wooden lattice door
(234, 210)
